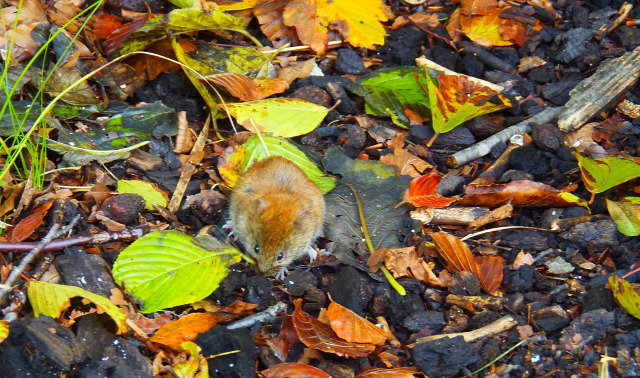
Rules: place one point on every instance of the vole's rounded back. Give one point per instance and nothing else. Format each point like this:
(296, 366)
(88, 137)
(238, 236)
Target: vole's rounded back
(276, 213)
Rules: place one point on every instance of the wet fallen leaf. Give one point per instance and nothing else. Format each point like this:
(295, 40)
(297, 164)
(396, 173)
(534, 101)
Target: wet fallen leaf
(184, 329)
(422, 192)
(401, 372)
(626, 215)
(318, 335)
(269, 15)
(230, 164)
(407, 163)
(605, 173)
(293, 369)
(404, 262)
(352, 327)
(484, 29)
(492, 268)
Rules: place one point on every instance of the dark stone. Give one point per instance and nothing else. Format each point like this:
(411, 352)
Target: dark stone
(313, 94)
(627, 36)
(259, 290)
(444, 357)
(387, 302)
(531, 240)
(483, 127)
(403, 46)
(471, 65)
(299, 281)
(353, 137)
(597, 235)
(531, 107)
(220, 340)
(498, 149)
(352, 289)
(514, 84)
(558, 93)
(459, 137)
(418, 320)
(550, 319)
(451, 185)
(547, 137)
(528, 159)
(123, 208)
(592, 326)
(482, 319)
(628, 340)
(90, 272)
(109, 355)
(598, 298)
(349, 62)
(520, 280)
(513, 175)
(465, 283)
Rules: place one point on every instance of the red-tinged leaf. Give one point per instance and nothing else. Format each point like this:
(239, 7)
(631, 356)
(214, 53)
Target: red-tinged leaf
(352, 327)
(422, 192)
(401, 372)
(404, 262)
(293, 369)
(248, 89)
(521, 193)
(28, 225)
(112, 43)
(492, 268)
(184, 329)
(269, 15)
(317, 335)
(105, 25)
(285, 339)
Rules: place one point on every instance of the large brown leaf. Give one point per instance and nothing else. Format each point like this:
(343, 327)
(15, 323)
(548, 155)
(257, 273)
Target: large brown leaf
(317, 335)
(352, 327)
(522, 193)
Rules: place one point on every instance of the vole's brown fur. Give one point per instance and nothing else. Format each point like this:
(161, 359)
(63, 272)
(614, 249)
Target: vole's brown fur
(276, 213)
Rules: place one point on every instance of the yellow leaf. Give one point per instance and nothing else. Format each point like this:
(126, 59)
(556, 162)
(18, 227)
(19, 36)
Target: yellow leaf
(485, 29)
(358, 21)
(51, 300)
(4, 330)
(147, 190)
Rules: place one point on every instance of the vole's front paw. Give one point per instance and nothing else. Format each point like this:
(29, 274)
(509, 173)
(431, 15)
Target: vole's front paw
(313, 254)
(282, 273)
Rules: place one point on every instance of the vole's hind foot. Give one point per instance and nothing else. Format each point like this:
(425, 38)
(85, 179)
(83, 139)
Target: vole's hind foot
(313, 254)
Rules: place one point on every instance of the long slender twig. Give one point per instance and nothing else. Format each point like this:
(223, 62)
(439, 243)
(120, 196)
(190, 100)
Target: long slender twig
(54, 232)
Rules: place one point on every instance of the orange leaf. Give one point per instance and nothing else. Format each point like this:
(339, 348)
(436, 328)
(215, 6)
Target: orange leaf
(402, 260)
(317, 335)
(408, 163)
(401, 372)
(184, 329)
(28, 225)
(422, 192)
(269, 15)
(105, 25)
(485, 29)
(293, 369)
(230, 164)
(246, 88)
(352, 327)
(113, 41)
(492, 268)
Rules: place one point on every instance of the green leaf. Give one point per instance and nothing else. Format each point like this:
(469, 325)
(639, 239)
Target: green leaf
(255, 151)
(51, 299)
(168, 268)
(221, 59)
(286, 117)
(388, 90)
(625, 295)
(626, 216)
(146, 190)
(182, 3)
(605, 173)
(180, 20)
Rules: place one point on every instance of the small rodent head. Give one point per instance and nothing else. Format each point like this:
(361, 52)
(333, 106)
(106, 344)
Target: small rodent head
(282, 233)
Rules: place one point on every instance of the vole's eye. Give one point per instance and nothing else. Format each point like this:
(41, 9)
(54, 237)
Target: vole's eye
(256, 249)
(280, 256)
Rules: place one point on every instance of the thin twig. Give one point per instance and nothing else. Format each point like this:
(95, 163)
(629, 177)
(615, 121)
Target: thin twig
(422, 28)
(264, 316)
(53, 233)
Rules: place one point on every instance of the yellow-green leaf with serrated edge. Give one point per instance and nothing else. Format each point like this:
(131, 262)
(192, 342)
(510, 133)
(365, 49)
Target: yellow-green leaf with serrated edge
(51, 299)
(285, 117)
(168, 268)
(4, 330)
(626, 216)
(624, 294)
(255, 151)
(605, 173)
(146, 190)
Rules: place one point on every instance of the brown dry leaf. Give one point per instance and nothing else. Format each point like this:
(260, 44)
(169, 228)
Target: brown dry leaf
(359, 21)
(269, 15)
(376, 259)
(151, 325)
(456, 255)
(297, 70)
(187, 328)
(422, 192)
(429, 20)
(404, 262)
(318, 335)
(453, 26)
(408, 164)
(400, 372)
(28, 225)
(150, 67)
(26, 18)
(293, 369)
(352, 327)
(286, 337)
(248, 89)
(522, 193)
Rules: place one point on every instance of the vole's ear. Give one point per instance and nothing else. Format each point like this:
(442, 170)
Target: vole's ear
(302, 217)
(259, 205)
